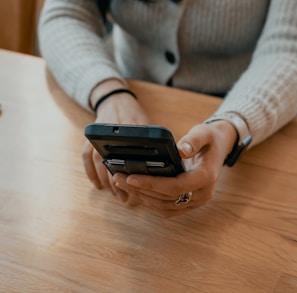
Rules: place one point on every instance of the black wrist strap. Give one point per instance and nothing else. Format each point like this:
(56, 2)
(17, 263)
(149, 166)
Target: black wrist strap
(236, 151)
(114, 92)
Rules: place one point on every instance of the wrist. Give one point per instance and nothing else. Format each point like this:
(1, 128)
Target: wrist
(110, 95)
(243, 135)
(103, 88)
(228, 134)
(108, 89)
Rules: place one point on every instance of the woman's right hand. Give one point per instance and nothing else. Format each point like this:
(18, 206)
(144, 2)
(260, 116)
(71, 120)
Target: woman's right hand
(121, 108)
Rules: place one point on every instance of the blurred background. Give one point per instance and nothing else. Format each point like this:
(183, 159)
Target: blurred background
(18, 20)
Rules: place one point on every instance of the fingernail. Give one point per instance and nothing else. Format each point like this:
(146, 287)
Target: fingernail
(133, 181)
(123, 196)
(186, 148)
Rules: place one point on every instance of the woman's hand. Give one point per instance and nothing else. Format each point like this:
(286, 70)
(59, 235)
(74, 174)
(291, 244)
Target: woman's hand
(119, 109)
(204, 149)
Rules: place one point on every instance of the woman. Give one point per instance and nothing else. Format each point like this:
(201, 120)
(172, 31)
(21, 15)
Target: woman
(244, 51)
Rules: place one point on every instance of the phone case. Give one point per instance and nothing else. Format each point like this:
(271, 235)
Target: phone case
(133, 149)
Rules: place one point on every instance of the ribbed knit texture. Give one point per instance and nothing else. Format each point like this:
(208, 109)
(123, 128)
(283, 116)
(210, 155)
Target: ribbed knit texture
(246, 48)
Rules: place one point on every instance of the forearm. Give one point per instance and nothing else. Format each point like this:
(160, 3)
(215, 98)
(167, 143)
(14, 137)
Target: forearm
(265, 95)
(70, 36)
(265, 98)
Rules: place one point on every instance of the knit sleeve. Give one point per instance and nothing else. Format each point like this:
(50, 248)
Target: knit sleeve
(266, 93)
(71, 39)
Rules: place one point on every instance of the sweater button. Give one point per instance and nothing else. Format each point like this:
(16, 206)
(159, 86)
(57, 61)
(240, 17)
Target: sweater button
(170, 57)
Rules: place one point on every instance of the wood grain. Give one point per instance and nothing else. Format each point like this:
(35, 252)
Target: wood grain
(59, 234)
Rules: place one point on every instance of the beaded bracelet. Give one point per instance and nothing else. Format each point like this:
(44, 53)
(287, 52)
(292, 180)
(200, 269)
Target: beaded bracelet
(114, 92)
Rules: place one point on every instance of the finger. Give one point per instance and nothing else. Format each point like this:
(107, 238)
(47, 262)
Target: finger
(113, 187)
(121, 182)
(121, 194)
(153, 194)
(166, 188)
(156, 186)
(101, 169)
(89, 166)
(121, 190)
(198, 198)
(194, 141)
(170, 209)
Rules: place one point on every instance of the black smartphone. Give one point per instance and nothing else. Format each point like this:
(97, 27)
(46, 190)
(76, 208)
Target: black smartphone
(134, 149)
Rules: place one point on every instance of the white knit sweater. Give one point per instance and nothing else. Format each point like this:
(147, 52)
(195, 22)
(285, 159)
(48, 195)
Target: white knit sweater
(247, 49)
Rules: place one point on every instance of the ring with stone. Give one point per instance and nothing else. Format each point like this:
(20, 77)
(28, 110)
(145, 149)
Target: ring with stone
(183, 198)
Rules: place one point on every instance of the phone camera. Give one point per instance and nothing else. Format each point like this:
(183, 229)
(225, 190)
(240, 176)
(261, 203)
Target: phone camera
(116, 130)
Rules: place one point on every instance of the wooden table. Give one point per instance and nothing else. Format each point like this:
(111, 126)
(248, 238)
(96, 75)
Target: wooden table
(59, 234)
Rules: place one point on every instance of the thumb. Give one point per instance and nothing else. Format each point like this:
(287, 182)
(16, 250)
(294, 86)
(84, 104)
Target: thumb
(185, 149)
(193, 141)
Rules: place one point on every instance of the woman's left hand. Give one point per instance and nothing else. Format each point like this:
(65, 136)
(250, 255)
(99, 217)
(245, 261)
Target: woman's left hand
(204, 149)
